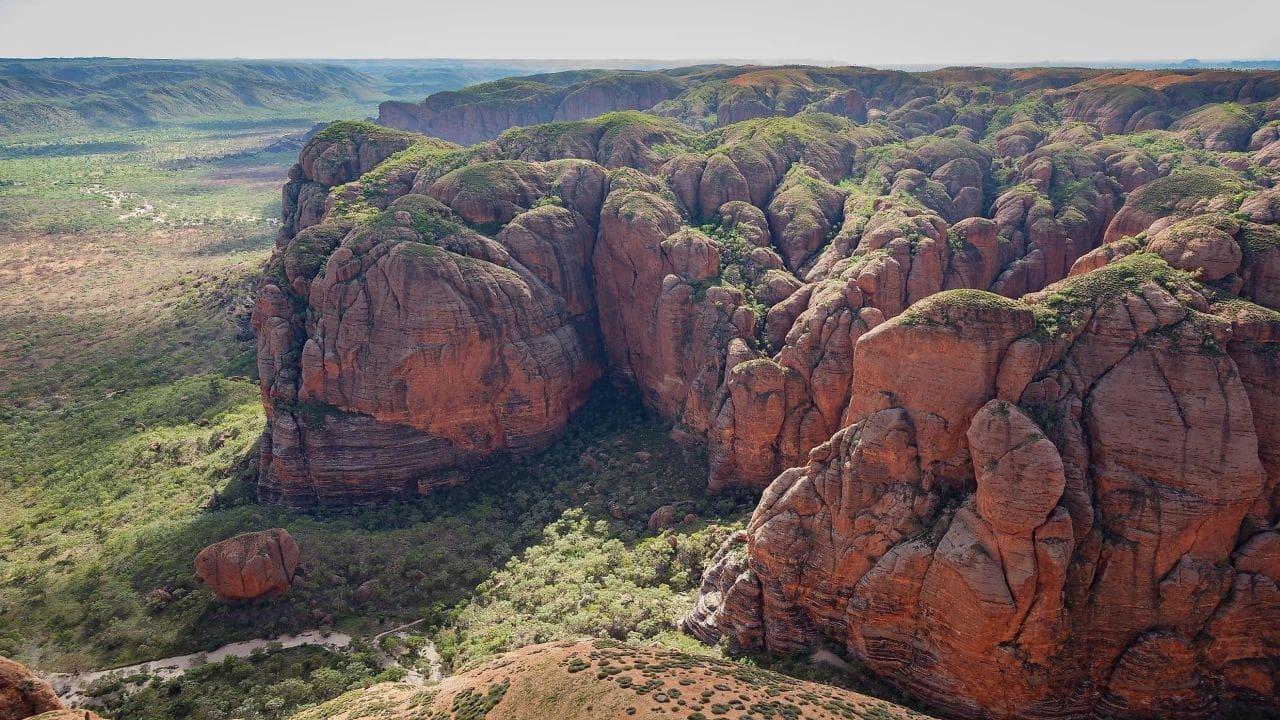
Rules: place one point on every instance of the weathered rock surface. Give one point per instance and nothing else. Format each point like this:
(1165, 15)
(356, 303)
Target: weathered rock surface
(23, 694)
(1223, 127)
(360, 408)
(482, 112)
(1041, 509)
(1011, 496)
(1182, 193)
(1134, 101)
(729, 285)
(1199, 246)
(250, 566)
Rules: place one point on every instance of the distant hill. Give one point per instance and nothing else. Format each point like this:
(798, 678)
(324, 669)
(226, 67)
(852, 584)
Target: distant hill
(98, 93)
(705, 97)
(415, 79)
(58, 94)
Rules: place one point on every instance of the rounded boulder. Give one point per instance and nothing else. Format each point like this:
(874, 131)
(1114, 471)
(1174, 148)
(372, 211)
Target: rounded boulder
(1198, 247)
(250, 566)
(23, 694)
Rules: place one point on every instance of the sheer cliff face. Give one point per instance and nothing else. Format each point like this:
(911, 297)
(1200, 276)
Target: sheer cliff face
(1048, 508)
(1007, 378)
(432, 305)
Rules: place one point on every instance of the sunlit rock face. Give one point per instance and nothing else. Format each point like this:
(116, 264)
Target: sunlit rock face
(998, 347)
(1056, 508)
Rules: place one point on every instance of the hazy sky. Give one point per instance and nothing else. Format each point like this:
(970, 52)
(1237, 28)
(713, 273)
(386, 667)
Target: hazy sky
(853, 31)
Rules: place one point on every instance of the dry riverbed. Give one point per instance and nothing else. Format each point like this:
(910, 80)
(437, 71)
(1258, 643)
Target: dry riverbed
(73, 687)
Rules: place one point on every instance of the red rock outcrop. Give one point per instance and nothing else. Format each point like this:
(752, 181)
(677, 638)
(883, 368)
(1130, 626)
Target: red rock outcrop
(1133, 101)
(1179, 194)
(673, 345)
(483, 112)
(1200, 246)
(23, 694)
(1040, 509)
(341, 153)
(358, 407)
(1225, 127)
(1010, 496)
(1262, 207)
(250, 566)
(1269, 156)
(730, 285)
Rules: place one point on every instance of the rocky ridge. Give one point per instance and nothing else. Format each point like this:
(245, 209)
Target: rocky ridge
(728, 274)
(1198, 102)
(1002, 361)
(1058, 507)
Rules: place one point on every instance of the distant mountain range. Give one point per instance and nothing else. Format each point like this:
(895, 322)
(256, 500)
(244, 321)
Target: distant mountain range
(78, 93)
(59, 94)
(117, 93)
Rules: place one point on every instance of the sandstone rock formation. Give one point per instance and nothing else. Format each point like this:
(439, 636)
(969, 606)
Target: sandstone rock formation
(1046, 508)
(730, 286)
(23, 694)
(1011, 495)
(1212, 106)
(250, 566)
(1133, 101)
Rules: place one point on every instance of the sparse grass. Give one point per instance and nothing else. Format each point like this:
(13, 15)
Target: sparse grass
(1186, 185)
(935, 309)
(351, 129)
(1060, 306)
(133, 266)
(607, 679)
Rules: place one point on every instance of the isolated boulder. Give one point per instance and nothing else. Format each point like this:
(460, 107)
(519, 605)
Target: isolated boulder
(250, 566)
(663, 517)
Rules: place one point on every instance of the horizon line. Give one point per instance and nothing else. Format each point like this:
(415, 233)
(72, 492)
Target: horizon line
(1010, 64)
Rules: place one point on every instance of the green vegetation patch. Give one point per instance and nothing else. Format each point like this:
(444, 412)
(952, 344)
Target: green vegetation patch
(268, 685)
(581, 579)
(936, 309)
(1255, 239)
(1184, 185)
(1032, 109)
(306, 254)
(1062, 305)
(112, 501)
(341, 130)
